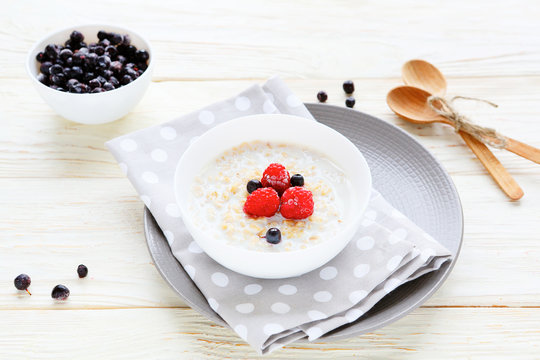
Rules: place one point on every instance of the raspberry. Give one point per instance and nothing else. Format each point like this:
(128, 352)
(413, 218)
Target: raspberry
(262, 202)
(297, 203)
(277, 177)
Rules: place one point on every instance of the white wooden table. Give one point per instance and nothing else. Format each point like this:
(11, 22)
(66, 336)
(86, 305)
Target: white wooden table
(64, 200)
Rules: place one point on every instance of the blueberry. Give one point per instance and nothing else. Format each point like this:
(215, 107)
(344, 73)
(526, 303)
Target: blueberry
(44, 67)
(76, 89)
(297, 180)
(101, 80)
(253, 185)
(72, 82)
(350, 102)
(348, 86)
(58, 79)
(111, 51)
(104, 43)
(142, 56)
(102, 35)
(56, 69)
(41, 57)
(42, 78)
(127, 40)
(69, 61)
(108, 86)
(65, 54)
(322, 96)
(52, 51)
(22, 282)
(91, 60)
(84, 50)
(76, 36)
(78, 58)
(60, 292)
(76, 72)
(126, 79)
(61, 89)
(99, 50)
(82, 270)
(106, 73)
(116, 67)
(273, 236)
(103, 62)
(68, 45)
(121, 58)
(97, 90)
(94, 83)
(88, 76)
(116, 39)
(114, 81)
(129, 51)
(132, 73)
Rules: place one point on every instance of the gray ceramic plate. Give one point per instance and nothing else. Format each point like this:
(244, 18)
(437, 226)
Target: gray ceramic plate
(405, 173)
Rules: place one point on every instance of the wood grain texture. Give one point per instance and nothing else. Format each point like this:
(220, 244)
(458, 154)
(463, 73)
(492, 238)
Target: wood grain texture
(181, 333)
(64, 201)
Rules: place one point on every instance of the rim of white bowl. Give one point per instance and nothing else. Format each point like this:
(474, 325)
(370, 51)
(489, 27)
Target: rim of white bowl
(354, 223)
(31, 59)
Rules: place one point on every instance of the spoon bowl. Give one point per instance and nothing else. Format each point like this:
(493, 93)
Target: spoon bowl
(423, 75)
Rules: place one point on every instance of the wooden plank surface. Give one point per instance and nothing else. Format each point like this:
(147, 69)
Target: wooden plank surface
(64, 200)
(480, 333)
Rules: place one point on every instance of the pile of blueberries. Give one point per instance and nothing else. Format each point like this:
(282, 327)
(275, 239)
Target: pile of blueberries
(80, 68)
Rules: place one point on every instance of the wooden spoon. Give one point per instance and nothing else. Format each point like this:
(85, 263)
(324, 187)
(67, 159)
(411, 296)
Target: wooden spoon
(410, 103)
(423, 75)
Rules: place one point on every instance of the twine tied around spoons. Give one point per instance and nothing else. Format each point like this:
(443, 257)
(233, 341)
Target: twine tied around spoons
(484, 134)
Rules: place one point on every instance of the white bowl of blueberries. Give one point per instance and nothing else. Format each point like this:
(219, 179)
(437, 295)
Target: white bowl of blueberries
(91, 74)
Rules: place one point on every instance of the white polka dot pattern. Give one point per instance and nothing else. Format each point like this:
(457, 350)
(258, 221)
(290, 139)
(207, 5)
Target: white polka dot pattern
(357, 295)
(365, 243)
(128, 145)
(397, 236)
(242, 103)
(322, 296)
(314, 332)
(159, 155)
(288, 289)
(150, 177)
(328, 273)
(252, 289)
(207, 117)
(245, 308)
(168, 133)
(124, 168)
(194, 248)
(361, 270)
(190, 271)
(280, 308)
(315, 315)
(220, 279)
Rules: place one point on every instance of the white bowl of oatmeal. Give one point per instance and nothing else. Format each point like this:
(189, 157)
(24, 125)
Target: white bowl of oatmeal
(210, 188)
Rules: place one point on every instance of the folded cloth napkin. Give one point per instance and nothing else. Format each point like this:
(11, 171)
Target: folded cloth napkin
(387, 250)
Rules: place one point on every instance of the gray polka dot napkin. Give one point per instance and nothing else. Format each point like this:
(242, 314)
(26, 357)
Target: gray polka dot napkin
(387, 250)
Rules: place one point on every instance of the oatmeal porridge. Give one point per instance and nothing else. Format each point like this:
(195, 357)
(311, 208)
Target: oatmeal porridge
(218, 195)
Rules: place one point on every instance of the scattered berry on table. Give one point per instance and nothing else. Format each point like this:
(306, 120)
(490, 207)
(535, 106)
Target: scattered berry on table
(262, 202)
(60, 292)
(253, 185)
(297, 180)
(273, 236)
(297, 203)
(322, 96)
(277, 177)
(348, 86)
(350, 101)
(82, 270)
(112, 60)
(22, 282)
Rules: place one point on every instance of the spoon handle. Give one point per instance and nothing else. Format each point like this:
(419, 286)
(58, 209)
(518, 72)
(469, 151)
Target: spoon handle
(497, 171)
(524, 150)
